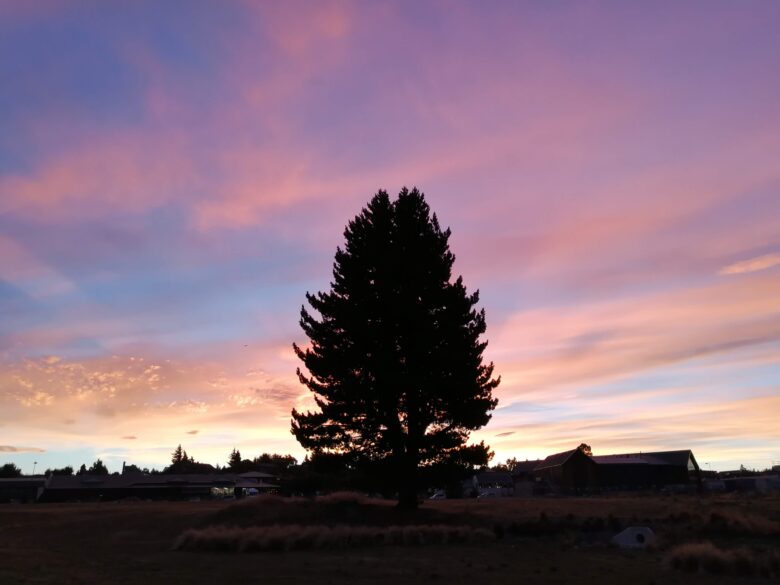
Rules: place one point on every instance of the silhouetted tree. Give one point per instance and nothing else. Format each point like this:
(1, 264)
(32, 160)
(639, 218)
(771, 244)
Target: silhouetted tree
(98, 468)
(234, 461)
(10, 470)
(507, 466)
(395, 362)
(178, 455)
(280, 463)
(68, 470)
(183, 463)
(82, 470)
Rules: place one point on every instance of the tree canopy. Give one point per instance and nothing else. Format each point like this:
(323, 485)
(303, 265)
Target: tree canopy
(395, 361)
(97, 468)
(10, 470)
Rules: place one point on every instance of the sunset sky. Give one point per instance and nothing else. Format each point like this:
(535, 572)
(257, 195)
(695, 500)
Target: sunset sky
(175, 176)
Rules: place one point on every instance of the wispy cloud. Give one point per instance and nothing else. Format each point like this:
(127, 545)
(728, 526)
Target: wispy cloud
(13, 449)
(752, 265)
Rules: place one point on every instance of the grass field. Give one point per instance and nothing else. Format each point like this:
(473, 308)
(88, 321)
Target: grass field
(519, 540)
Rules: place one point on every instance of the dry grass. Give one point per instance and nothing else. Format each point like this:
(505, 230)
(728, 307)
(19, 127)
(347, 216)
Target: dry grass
(297, 537)
(130, 543)
(739, 521)
(334, 509)
(718, 523)
(707, 558)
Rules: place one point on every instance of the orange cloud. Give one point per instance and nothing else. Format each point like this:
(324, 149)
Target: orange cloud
(151, 402)
(723, 434)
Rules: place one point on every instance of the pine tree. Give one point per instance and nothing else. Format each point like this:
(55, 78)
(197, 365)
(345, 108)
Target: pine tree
(395, 362)
(177, 456)
(234, 462)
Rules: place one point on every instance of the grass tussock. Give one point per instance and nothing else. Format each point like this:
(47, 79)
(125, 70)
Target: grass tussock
(740, 522)
(725, 521)
(705, 557)
(298, 537)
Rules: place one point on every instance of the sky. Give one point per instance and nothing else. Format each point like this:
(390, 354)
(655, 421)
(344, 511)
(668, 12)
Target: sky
(175, 176)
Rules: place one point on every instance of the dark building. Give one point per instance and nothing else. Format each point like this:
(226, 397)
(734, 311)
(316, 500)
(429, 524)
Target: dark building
(568, 472)
(523, 477)
(653, 470)
(21, 489)
(577, 471)
(60, 488)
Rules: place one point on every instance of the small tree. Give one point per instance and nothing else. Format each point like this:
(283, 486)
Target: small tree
(395, 362)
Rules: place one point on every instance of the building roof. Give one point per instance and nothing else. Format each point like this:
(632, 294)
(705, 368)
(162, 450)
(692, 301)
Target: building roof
(556, 459)
(619, 460)
(257, 475)
(675, 458)
(525, 466)
(22, 481)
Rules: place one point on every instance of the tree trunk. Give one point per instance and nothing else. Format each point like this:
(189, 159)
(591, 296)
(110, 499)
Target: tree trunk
(407, 491)
(407, 497)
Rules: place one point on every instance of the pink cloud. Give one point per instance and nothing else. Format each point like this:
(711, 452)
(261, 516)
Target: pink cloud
(21, 268)
(110, 174)
(559, 346)
(752, 265)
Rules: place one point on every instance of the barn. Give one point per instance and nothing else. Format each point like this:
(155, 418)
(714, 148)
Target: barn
(650, 470)
(568, 472)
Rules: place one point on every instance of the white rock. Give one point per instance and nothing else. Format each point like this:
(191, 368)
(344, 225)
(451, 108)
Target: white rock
(634, 537)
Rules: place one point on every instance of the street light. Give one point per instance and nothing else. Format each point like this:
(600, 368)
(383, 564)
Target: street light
(34, 464)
